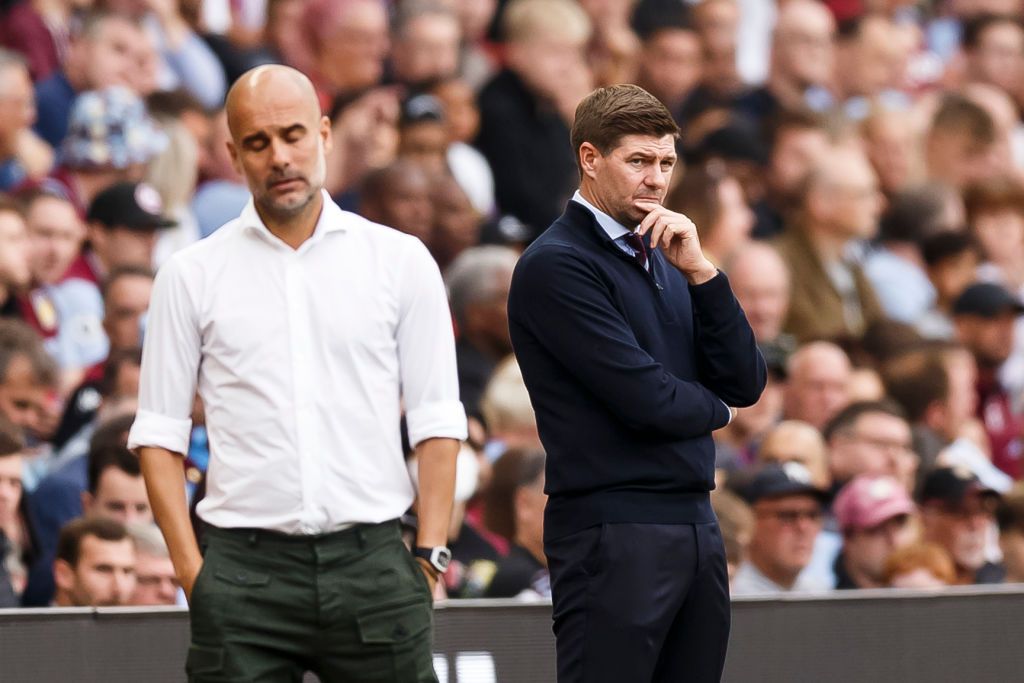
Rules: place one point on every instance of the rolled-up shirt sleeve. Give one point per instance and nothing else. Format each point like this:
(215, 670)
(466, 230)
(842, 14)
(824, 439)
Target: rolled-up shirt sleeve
(426, 353)
(170, 365)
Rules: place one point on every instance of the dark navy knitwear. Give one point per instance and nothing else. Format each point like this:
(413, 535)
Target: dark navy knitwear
(627, 371)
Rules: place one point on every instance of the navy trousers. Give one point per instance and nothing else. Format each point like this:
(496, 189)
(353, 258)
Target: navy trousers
(640, 603)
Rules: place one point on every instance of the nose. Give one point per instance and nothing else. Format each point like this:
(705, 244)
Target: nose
(124, 587)
(657, 178)
(279, 155)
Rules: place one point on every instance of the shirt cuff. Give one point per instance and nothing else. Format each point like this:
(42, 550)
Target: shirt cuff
(159, 431)
(440, 419)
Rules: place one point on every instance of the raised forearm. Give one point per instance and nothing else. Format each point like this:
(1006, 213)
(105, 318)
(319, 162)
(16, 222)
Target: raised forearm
(165, 483)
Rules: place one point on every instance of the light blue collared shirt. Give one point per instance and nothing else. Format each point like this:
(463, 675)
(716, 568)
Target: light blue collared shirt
(615, 230)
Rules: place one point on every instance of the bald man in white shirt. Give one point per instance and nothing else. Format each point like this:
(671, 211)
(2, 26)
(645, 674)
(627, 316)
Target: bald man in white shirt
(305, 329)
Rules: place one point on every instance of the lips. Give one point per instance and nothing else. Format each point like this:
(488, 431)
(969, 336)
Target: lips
(284, 182)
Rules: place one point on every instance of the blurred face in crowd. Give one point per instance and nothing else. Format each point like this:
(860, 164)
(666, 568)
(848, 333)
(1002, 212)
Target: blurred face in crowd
(873, 61)
(720, 73)
(15, 252)
(278, 140)
(27, 402)
(1001, 235)
(717, 20)
(795, 153)
(425, 143)
(155, 581)
(866, 550)
(110, 55)
(760, 281)
(819, 376)
(456, 221)
(784, 533)
(962, 402)
(952, 275)
(119, 496)
(17, 105)
(460, 109)
(844, 199)
(352, 52)
(427, 49)
(670, 65)
(10, 488)
(404, 203)
(999, 57)
(1011, 542)
(876, 444)
(146, 75)
(637, 170)
(56, 235)
(753, 421)
(891, 147)
(803, 51)
(734, 222)
(990, 339)
(961, 529)
(127, 301)
(530, 501)
(547, 61)
(956, 158)
(103, 577)
(122, 246)
(794, 441)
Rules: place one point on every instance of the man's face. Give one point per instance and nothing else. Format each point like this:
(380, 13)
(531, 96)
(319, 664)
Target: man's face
(356, 50)
(819, 390)
(104, 575)
(990, 339)
(877, 444)
(17, 104)
(119, 496)
(127, 301)
(10, 488)
(762, 288)
(56, 235)
(15, 252)
(546, 63)
(868, 549)
(111, 57)
(795, 153)
(1001, 234)
(1011, 542)
(803, 50)
(999, 58)
(961, 529)
(638, 170)
(489, 317)
(155, 581)
(671, 64)
(854, 200)
(426, 144)
(125, 247)
(784, 532)
(429, 49)
(27, 403)
(279, 145)
(407, 206)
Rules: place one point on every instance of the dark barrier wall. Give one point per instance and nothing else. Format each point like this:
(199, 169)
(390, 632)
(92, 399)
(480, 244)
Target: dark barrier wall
(973, 635)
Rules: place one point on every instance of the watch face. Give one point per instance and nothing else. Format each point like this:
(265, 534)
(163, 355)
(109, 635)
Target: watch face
(441, 558)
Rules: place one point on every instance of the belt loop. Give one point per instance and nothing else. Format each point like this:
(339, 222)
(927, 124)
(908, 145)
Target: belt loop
(254, 538)
(361, 536)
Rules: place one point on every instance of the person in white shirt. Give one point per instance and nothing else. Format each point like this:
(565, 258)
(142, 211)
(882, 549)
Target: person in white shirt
(306, 331)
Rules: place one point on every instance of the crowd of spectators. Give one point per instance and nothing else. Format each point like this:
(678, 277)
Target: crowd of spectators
(856, 167)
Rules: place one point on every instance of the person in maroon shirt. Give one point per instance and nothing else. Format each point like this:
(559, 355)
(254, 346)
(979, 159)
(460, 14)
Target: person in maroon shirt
(38, 29)
(984, 316)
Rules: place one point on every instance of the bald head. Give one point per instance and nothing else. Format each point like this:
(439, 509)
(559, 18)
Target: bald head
(268, 86)
(760, 281)
(796, 441)
(817, 384)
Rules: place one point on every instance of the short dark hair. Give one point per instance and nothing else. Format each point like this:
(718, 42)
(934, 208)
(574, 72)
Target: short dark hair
(914, 214)
(916, 380)
(18, 339)
(851, 414)
(1010, 511)
(974, 27)
(515, 469)
(944, 245)
(116, 361)
(957, 114)
(132, 270)
(11, 440)
(109, 455)
(606, 115)
(1001, 193)
(69, 544)
(793, 119)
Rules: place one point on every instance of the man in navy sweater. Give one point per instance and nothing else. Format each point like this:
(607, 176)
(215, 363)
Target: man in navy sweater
(633, 349)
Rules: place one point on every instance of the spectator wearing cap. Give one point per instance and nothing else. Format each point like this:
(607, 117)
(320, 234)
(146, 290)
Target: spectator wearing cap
(1010, 517)
(95, 565)
(840, 206)
(110, 139)
(103, 52)
(958, 513)
(15, 258)
(875, 517)
(788, 510)
(425, 40)
(124, 223)
(22, 154)
(920, 566)
(398, 196)
(817, 383)
(525, 108)
(478, 285)
(873, 438)
(985, 316)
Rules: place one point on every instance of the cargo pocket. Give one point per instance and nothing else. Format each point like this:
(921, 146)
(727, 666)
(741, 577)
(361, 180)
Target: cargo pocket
(399, 632)
(202, 662)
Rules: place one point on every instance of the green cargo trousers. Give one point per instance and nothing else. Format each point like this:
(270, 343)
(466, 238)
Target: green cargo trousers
(351, 606)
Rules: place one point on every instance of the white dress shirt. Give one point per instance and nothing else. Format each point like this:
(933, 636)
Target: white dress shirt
(303, 358)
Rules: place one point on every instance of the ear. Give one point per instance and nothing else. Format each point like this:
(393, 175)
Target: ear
(63, 575)
(233, 152)
(326, 134)
(590, 157)
(88, 501)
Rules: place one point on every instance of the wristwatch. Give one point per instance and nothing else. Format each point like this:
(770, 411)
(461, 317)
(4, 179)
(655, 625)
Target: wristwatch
(439, 557)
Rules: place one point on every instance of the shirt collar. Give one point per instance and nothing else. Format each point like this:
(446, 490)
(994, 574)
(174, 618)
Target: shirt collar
(613, 228)
(332, 219)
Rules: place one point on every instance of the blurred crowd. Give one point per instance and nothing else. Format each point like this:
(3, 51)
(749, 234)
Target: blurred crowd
(856, 167)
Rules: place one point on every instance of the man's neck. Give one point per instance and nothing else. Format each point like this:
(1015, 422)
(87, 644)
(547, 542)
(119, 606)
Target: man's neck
(296, 229)
(829, 246)
(785, 580)
(587, 192)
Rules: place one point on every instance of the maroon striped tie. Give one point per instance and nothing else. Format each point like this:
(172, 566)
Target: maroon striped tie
(639, 250)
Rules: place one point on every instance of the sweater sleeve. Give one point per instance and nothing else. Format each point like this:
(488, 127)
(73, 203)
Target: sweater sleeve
(566, 307)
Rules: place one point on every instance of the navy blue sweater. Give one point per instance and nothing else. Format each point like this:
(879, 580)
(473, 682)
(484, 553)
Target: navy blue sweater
(627, 372)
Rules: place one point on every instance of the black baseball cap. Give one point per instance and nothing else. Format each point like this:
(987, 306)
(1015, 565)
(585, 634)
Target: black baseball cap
(136, 206)
(788, 479)
(952, 485)
(987, 300)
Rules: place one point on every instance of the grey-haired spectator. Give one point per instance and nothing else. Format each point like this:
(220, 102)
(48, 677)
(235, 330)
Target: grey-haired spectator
(23, 155)
(155, 580)
(985, 316)
(398, 196)
(507, 412)
(958, 513)
(110, 139)
(891, 140)
(425, 40)
(875, 516)
(817, 383)
(1010, 517)
(873, 438)
(95, 564)
(478, 282)
(788, 512)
